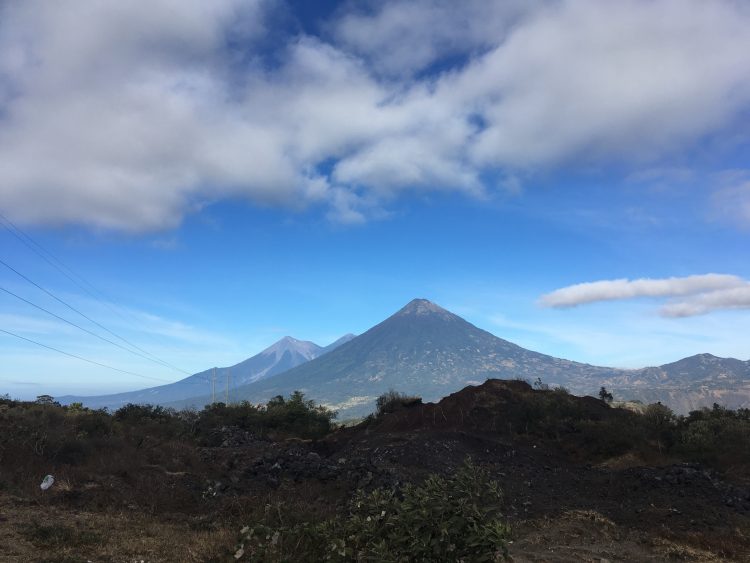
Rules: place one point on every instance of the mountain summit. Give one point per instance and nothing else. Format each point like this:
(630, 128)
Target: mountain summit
(421, 349)
(426, 350)
(305, 349)
(281, 356)
(422, 307)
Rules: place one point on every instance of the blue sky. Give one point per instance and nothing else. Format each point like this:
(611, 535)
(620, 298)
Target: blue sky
(229, 174)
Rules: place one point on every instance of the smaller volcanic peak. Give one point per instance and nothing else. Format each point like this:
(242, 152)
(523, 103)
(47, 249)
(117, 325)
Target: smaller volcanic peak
(340, 342)
(305, 349)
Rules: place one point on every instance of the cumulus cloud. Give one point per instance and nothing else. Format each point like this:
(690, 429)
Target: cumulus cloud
(130, 115)
(689, 296)
(403, 37)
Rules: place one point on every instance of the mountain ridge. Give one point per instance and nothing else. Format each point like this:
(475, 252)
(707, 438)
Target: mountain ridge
(426, 350)
(282, 355)
(422, 349)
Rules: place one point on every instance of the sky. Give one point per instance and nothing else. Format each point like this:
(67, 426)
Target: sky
(188, 182)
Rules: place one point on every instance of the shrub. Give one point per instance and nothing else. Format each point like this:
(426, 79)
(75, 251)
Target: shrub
(718, 436)
(453, 518)
(659, 420)
(292, 417)
(141, 413)
(140, 423)
(605, 395)
(393, 401)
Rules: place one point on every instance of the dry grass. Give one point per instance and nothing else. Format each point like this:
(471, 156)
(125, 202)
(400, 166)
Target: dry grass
(588, 536)
(30, 532)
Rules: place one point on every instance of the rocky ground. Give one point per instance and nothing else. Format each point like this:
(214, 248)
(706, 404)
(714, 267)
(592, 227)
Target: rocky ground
(560, 507)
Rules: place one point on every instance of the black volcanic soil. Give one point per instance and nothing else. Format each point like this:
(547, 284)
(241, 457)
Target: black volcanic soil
(564, 502)
(554, 495)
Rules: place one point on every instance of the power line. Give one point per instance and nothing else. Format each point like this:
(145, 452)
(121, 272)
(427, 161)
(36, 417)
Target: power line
(81, 357)
(58, 264)
(71, 323)
(46, 255)
(56, 298)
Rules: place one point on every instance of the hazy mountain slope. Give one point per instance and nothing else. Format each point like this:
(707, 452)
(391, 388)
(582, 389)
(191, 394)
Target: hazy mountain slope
(343, 340)
(426, 350)
(688, 384)
(285, 354)
(422, 349)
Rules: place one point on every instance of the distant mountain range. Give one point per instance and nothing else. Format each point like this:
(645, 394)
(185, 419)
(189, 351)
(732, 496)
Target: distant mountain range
(277, 358)
(428, 351)
(687, 384)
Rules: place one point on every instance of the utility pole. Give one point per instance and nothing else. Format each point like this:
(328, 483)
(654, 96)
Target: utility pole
(226, 394)
(213, 387)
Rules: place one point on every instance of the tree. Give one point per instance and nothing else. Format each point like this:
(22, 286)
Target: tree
(659, 421)
(46, 400)
(605, 395)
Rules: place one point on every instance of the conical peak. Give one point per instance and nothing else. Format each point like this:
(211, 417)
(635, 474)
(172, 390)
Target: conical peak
(422, 307)
(285, 343)
(291, 344)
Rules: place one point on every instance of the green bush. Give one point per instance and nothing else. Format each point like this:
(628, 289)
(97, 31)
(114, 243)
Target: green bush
(445, 519)
(139, 423)
(718, 436)
(393, 401)
(141, 413)
(292, 417)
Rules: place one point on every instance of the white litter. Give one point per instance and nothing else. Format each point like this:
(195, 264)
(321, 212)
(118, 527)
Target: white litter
(47, 482)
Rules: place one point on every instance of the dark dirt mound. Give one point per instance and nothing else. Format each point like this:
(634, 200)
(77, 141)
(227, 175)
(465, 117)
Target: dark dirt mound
(557, 455)
(496, 406)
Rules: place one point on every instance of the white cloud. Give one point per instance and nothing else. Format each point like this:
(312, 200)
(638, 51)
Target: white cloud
(609, 290)
(731, 298)
(403, 37)
(594, 80)
(692, 295)
(128, 116)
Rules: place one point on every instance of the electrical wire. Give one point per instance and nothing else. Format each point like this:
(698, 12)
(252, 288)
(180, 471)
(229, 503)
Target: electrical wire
(56, 298)
(56, 263)
(71, 323)
(81, 357)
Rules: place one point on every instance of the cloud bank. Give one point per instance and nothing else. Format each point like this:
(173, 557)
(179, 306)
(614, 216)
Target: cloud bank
(130, 115)
(689, 296)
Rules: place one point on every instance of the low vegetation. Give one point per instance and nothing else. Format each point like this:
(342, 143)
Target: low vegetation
(43, 437)
(393, 400)
(453, 518)
(156, 461)
(279, 418)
